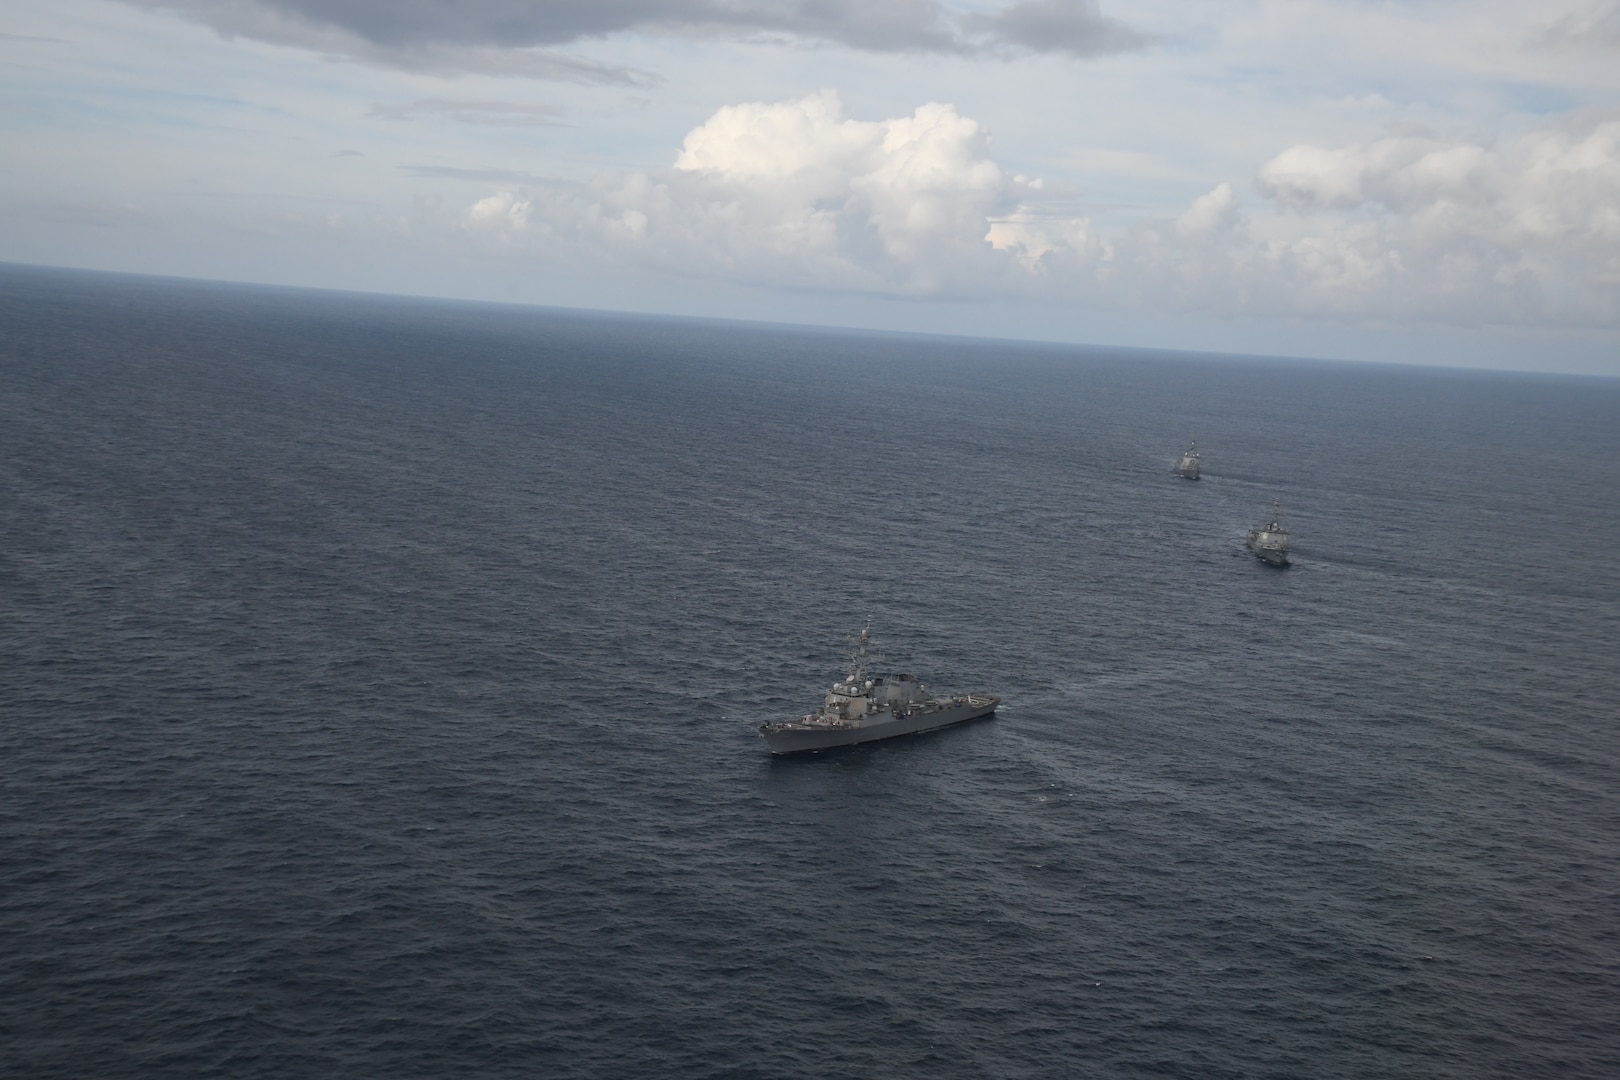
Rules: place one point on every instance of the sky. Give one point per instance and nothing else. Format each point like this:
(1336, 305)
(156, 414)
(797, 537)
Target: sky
(1427, 182)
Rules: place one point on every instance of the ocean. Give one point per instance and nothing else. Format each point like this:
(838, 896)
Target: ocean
(379, 685)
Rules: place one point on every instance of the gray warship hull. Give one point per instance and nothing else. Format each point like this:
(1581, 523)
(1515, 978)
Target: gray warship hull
(820, 733)
(1272, 556)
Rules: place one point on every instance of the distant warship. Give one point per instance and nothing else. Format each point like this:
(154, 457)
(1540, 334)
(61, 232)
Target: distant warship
(866, 706)
(1270, 543)
(1188, 465)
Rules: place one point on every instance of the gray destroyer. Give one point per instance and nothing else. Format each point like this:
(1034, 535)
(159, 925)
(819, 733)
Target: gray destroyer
(1189, 463)
(1270, 542)
(866, 706)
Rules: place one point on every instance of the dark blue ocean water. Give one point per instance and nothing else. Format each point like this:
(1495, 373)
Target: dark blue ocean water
(378, 685)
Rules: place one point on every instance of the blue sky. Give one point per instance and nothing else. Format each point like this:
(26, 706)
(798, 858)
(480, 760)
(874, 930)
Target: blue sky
(1426, 182)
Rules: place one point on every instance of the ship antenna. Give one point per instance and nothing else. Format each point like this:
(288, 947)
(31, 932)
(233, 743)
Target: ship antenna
(857, 661)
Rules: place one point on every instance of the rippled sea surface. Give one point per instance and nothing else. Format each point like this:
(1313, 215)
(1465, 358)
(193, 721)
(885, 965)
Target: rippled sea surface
(379, 683)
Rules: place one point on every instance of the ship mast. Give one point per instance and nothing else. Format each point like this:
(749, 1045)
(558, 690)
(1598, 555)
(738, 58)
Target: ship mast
(858, 659)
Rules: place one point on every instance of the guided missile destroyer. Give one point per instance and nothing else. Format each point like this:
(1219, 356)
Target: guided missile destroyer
(1189, 463)
(866, 706)
(1270, 543)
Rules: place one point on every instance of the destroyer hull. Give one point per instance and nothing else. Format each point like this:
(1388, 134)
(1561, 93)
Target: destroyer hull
(799, 737)
(1270, 556)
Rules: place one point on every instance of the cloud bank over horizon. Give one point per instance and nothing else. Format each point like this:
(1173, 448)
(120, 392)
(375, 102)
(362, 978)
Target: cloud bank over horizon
(799, 194)
(1303, 176)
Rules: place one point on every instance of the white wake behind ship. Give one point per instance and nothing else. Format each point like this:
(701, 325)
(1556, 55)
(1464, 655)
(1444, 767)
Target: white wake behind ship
(866, 706)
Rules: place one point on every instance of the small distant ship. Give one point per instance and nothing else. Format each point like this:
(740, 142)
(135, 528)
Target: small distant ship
(866, 706)
(1270, 543)
(1188, 465)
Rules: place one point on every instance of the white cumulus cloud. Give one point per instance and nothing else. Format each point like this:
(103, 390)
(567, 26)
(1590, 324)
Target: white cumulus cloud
(799, 193)
(504, 214)
(1402, 229)
(1529, 228)
(1210, 215)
